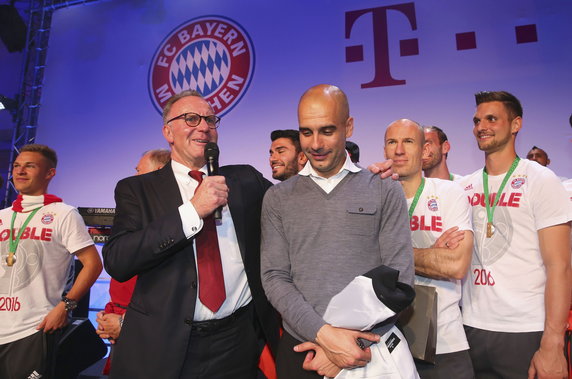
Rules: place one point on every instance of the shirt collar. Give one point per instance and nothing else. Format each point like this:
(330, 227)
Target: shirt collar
(182, 172)
(308, 170)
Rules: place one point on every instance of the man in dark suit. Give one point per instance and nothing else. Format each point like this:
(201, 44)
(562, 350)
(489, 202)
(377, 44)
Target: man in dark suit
(181, 323)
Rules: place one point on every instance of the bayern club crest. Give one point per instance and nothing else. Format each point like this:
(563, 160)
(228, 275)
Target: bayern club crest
(517, 183)
(210, 54)
(47, 218)
(432, 205)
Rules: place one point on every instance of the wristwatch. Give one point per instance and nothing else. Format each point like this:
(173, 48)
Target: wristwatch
(70, 304)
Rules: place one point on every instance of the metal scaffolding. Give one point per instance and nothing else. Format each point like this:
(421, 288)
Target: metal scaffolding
(30, 93)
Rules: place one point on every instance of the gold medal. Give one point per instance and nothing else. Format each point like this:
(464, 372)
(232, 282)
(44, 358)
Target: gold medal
(15, 240)
(490, 229)
(491, 207)
(10, 259)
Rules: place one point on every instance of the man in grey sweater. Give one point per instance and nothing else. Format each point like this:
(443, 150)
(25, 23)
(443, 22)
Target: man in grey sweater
(321, 229)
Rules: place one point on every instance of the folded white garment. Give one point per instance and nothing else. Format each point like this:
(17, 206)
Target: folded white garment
(360, 306)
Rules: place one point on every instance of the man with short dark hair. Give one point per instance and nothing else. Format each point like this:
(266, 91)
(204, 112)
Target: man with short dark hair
(538, 155)
(517, 294)
(353, 151)
(541, 157)
(435, 160)
(39, 237)
(286, 157)
(321, 229)
(198, 309)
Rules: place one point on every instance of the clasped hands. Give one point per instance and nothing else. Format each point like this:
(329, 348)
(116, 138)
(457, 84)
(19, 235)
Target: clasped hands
(108, 326)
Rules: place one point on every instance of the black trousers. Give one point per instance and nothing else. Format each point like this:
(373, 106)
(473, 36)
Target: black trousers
(455, 365)
(29, 356)
(289, 362)
(498, 355)
(229, 352)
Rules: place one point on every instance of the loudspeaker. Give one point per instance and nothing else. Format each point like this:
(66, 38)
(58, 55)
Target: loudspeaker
(78, 348)
(12, 28)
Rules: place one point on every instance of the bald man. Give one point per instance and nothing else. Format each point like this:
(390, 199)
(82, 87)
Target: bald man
(152, 160)
(441, 231)
(353, 222)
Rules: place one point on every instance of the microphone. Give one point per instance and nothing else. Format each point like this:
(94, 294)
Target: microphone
(211, 156)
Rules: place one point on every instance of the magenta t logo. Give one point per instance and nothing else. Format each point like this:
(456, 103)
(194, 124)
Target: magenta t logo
(382, 76)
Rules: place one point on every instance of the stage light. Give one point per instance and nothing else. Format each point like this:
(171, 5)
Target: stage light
(10, 105)
(12, 28)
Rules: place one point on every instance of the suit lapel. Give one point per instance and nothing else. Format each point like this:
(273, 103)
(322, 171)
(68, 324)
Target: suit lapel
(167, 196)
(237, 211)
(166, 189)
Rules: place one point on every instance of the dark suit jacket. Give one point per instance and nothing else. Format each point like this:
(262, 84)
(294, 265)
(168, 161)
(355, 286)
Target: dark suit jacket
(147, 240)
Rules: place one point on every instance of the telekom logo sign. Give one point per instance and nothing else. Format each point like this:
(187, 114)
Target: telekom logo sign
(382, 75)
(382, 69)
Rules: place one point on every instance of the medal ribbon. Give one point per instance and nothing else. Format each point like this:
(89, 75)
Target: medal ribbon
(491, 210)
(416, 198)
(14, 242)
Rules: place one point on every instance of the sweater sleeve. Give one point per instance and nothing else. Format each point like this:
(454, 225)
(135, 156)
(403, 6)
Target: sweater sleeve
(277, 276)
(394, 234)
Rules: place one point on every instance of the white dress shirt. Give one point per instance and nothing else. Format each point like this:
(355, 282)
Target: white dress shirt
(328, 184)
(235, 281)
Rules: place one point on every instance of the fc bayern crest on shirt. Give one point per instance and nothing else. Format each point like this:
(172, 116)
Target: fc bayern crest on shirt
(432, 205)
(517, 183)
(47, 218)
(210, 54)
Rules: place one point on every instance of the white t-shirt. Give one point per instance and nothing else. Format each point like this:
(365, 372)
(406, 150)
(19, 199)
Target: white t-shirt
(504, 290)
(33, 286)
(568, 187)
(442, 205)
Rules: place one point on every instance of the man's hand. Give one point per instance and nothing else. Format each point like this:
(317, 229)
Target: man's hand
(108, 326)
(316, 360)
(383, 169)
(549, 361)
(450, 239)
(341, 348)
(548, 364)
(56, 319)
(211, 194)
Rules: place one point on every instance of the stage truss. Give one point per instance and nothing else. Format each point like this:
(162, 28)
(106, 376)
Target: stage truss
(30, 94)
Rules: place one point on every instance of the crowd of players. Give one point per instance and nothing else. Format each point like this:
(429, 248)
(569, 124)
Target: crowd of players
(195, 297)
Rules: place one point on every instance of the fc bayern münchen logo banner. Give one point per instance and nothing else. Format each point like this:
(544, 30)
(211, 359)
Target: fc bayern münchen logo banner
(210, 54)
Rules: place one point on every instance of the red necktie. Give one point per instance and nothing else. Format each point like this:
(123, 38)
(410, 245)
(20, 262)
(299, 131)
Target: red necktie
(211, 280)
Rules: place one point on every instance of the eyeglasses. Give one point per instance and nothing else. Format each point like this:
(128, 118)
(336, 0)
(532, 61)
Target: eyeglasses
(193, 119)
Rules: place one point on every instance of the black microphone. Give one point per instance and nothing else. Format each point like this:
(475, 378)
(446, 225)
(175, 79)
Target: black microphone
(211, 156)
